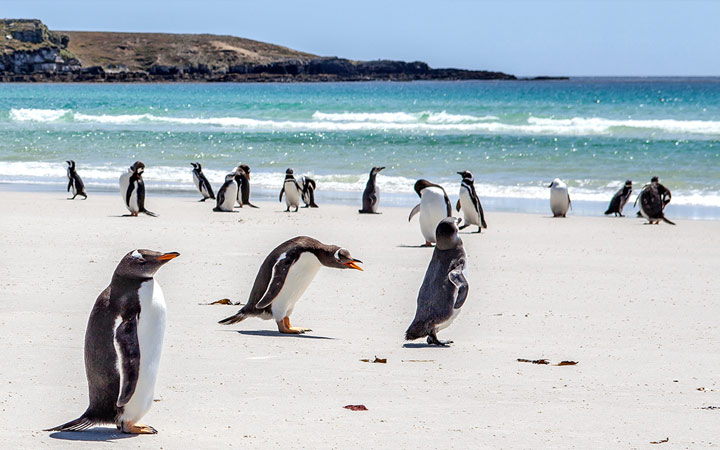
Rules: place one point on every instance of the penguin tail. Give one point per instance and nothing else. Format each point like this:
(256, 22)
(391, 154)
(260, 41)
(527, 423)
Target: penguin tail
(81, 423)
(239, 317)
(252, 206)
(609, 212)
(149, 213)
(416, 330)
(666, 220)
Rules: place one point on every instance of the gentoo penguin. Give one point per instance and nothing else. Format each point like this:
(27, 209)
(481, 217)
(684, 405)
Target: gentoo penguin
(619, 200)
(243, 171)
(371, 194)
(123, 342)
(653, 199)
(239, 182)
(559, 198)
(227, 195)
(470, 203)
(202, 183)
(292, 191)
(283, 277)
(444, 288)
(75, 182)
(132, 189)
(434, 206)
(308, 185)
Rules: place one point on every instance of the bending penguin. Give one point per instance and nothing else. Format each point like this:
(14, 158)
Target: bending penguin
(371, 194)
(75, 182)
(132, 189)
(292, 191)
(227, 195)
(123, 342)
(653, 198)
(243, 174)
(470, 203)
(559, 198)
(201, 183)
(444, 288)
(434, 206)
(308, 191)
(285, 275)
(619, 200)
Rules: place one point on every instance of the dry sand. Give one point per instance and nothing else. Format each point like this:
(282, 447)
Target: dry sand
(635, 305)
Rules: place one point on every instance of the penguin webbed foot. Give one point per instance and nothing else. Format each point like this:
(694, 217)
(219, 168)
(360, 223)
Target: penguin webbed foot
(432, 339)
(427, 244)
(137, 429)
(202, 199)
(462, 227)
(285, 327)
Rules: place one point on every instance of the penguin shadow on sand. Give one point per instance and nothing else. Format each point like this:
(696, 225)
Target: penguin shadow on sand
(271, 333)
(424, 345)
(97, 434)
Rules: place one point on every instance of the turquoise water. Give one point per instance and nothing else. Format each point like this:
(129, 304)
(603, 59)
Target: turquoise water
(514, 136)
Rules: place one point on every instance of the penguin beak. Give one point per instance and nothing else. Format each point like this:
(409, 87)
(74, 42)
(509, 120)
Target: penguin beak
(168, 256)
(352, 264)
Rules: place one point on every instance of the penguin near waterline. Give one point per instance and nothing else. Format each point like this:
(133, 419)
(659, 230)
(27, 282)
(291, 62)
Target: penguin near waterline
(308, 186)
(285, 275)
(444, 288)
(227, 195)
(75, 182)
(653, 198)
(559, 198)
(201, 183)
(132, 189)
(371, 194)
(470, 203)
(292, 191)
(243, 174)
(123, 342)
(619, 200)
(434, 206)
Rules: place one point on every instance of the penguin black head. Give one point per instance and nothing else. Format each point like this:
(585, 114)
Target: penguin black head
(375, 170)
(71, 164)
(196, 166)
(446, 234)
(142, 264)
(422, 184)
(138, 167)
(289, 172)
(654, 180)
(339, 259)
(246, 169)
(466, 174)
(231, 176)
(555, 182)
(628, 183)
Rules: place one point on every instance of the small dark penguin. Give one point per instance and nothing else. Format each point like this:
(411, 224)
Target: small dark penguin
(243, 173)
(470, 203)
(444, 288)
(292, 191)
(653, 198)
(75, 182)
(619, 200)
(371, 194)
(308, 191)
(285, 275)
(132, 189)
(123, 342)
(227, 195)
(434, 206)
(201, 183)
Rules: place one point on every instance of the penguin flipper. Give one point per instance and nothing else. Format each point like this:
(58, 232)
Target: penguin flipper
(282, 191)
(69, 184)
(414, 211)
(457, 277)
(81, 423)
(279, 274)
(482, 216)
(457, 206)
(128, 347)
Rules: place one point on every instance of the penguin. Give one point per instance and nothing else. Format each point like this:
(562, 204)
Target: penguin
(202, 183)
(434, 206)
(132, 189)
(308, 185)
(123, 342)
(283, 277)
(292, 191)
(243, 171)
(559, 198)
(371, 194)
(619, 200)
(75, 182)
(444, 288)
(227, 194)
(653, 198)
(470, 203)
(238, 182)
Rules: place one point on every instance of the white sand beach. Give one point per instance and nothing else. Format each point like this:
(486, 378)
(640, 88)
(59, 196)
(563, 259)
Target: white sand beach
(635, 305)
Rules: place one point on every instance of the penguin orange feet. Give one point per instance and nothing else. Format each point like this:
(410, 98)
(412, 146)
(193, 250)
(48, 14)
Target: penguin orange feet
(285, 327)
(427, 244)
(137, 429)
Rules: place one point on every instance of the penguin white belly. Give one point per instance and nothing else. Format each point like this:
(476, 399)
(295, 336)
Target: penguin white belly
(196, 180)
(471, 215)
(443, 325)
(559, 203)
(132, 205)
(374, 205)
(230, 197)
(73, 188)
(150, 331)
(432, 210)
(292, 195)
(297, 281)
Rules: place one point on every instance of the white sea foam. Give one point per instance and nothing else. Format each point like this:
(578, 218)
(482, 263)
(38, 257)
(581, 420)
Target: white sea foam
(400, 117)
(37, 115)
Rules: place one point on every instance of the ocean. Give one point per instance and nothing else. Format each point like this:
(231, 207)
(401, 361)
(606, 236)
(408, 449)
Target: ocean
(515, 136)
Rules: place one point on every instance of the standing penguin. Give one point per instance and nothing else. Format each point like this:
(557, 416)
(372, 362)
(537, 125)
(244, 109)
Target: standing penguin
(653, 198)
(371, 194)
(123, 342)
(444, 288)
(243, 173)
(434, 206)
(307, 185)
(75, 182)
(619, 200)
(559, 198)
(202, 183)
(132, 189)
(285, 275)
(470, 203)
(292, 191)
(227, 194)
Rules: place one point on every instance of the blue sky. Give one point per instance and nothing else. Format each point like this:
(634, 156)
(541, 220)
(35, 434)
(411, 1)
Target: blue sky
(553, 37)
